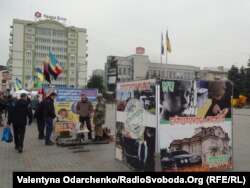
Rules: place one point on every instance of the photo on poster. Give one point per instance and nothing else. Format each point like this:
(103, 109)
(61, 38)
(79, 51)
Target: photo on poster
(144, 91)
(200, 148)
(214, 99)
(137, 153)
(178, 98)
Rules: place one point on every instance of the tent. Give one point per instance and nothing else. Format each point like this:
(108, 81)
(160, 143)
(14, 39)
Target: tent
(22, 91)
(18, 93)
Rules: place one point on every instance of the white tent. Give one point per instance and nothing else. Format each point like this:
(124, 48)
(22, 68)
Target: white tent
(22, 91)
(18, 93)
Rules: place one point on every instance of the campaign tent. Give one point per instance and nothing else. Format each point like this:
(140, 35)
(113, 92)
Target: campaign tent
(18, 93)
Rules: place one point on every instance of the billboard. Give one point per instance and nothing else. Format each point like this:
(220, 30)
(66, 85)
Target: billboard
(195, 125)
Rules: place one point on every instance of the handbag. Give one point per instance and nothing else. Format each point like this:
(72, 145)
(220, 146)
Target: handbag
(7, 135)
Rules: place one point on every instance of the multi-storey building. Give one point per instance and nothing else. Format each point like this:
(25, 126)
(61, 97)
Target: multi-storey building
(31, 43)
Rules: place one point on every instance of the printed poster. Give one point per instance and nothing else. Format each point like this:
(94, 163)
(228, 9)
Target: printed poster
(195, 126)
(136, 124)
(65, 105)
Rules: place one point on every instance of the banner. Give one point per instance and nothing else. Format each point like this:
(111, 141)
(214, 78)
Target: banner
(136, 124)
(195, 125)
(65, 105)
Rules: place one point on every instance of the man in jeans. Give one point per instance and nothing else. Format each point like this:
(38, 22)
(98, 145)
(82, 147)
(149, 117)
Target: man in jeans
(85, 109)
(48, 116)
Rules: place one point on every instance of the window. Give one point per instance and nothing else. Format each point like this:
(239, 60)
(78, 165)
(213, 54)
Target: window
(30, 30)
(72, 50)
(72, 35)
(120, 71)
(124, 70)
(29, 38)
(72, 43)
(72, 58)
(28, 46)
(129, 71)
(28, 54)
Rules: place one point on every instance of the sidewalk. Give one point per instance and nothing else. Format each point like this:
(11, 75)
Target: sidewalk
(38, 157)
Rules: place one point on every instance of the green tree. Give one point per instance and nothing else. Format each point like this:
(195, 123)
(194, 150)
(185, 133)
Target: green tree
(246, 82)
(234, 76)
(96, 82)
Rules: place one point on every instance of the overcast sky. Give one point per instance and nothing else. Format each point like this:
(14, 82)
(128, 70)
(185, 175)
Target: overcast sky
(202, 33)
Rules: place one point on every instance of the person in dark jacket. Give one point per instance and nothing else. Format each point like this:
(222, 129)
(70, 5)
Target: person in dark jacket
(39, 120)
(48, 115)
(18, 117)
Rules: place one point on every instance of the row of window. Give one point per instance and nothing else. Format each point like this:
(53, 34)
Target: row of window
(44, 55)
(53, 41)
(28, 55)
(124, 71)
(51, 32)
(159, 73)
(48, 31)
(47, 48)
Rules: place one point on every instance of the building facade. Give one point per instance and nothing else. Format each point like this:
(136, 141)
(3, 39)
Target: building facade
(139, 67)
(5, 78)
(213, 73)
(31, 43)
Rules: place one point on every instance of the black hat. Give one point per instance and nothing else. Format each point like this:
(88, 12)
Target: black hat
(53, 94)
(23, 95)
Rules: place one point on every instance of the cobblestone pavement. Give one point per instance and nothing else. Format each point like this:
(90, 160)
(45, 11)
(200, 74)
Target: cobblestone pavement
(38, 157)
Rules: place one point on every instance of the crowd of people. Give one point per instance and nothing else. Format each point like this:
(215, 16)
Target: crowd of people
(21, 112)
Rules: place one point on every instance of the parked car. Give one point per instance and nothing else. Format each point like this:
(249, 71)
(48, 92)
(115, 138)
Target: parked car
(179, 159)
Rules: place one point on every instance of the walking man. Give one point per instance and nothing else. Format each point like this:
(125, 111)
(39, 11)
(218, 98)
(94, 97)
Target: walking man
(18, 117)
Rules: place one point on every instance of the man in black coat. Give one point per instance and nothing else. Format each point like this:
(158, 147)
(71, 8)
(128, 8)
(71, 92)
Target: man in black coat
(39, 120)
(18, 117)
(48, 115)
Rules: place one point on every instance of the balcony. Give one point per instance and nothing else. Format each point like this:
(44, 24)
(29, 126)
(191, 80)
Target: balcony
(11, 33)
(11, 41)
(11, 48)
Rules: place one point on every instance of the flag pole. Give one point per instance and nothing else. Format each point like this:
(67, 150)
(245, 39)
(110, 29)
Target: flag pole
(166, 57)
(161, 48)
(166, 49)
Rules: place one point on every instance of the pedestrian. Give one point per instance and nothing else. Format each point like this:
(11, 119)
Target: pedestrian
(99, 117)
(85, 110)
(35, 103)
(48, 115)
(18, 114)
(2, 108)
(39, 120)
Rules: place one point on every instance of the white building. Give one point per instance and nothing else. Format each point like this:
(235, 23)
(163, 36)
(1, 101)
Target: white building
(31, 43)
(139, 67)
(214, 73)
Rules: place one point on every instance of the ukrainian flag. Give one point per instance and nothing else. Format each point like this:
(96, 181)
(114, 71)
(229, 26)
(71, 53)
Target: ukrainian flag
(39, 74)
(18, 84)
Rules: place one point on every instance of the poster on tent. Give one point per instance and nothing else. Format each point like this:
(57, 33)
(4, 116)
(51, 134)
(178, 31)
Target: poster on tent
(195, 125)
(136, 124)
(65, 105)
